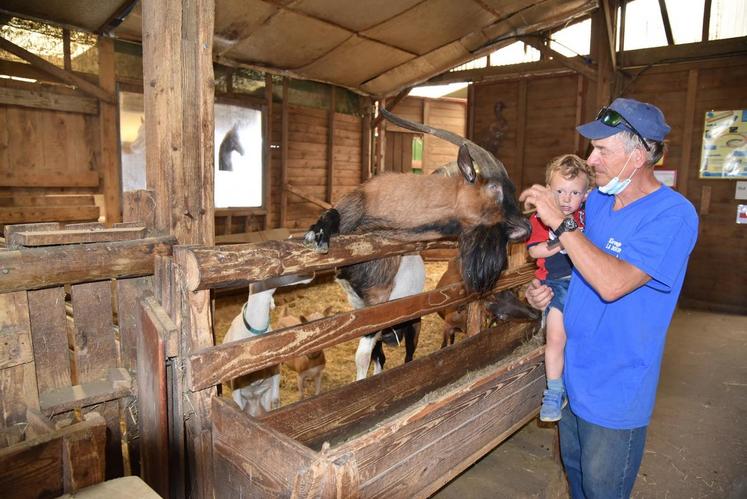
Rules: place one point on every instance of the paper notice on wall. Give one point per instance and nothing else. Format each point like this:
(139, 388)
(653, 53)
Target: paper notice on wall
(724, 152)
(741, 192)
(742, 214)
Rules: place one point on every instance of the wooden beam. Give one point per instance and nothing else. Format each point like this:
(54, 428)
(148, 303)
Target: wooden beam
(36, 268)
(665, 20)
(521, 130)
(470, 125)
(67, 61)
(27, 214)
(284, 141)
(298, 192)
(25, 178)
(572, 63)
(58, 73)
(108, 134)
(689, 118)
(267, 153)
(207, 267)
(706, 21)
(214, 365)
(609, 26)
(427, 137)
(44, 99)
(179, 124)
(117, 384)
(331, 145)
(623, 15)
(366, 130)
(56, 237)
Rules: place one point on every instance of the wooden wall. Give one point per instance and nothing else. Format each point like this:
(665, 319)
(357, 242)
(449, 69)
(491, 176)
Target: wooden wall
(538, 123)
(307, 161)
(49, 144)
(448, 114)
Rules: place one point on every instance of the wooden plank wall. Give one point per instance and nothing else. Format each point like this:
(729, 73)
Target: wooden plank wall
(448, 114)
(541, 113)
(47, 149)
(307, 160)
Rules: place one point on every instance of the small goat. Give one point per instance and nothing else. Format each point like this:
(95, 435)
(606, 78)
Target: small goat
(258, 392)
(308, 366)
(501, 306)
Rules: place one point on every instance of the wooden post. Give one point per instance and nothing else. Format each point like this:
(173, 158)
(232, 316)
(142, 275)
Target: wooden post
(366, 139)
(604, 38)
(521, 131)
(687, 132)
(177, 41)
(179, 123)
(108, 127)
(266, 156)
(67, 62)
(427, 138)
(284, 156)
(470, 132)
(331, 145)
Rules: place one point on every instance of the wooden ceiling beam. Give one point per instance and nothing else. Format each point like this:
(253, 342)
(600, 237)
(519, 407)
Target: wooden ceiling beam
(665, 20)
(610, 29)
(574, 64)
(706, 20)
(60, 74)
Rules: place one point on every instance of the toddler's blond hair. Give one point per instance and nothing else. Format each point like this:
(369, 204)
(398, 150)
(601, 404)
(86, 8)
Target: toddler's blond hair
(569, 166)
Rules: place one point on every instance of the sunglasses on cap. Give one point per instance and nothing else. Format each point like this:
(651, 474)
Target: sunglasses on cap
(612, 118)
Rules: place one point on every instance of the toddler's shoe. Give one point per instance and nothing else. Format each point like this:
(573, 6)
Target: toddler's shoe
(553, 402)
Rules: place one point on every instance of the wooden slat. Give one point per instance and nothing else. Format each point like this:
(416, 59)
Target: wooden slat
(298, 192)
(26, 178)
(67, 236)
(157, 327)
(49, 334)
(665, 21)
(331, 145)
(688, 128)
(117, 384)
(575, 64)
(43, 99)
(96, 352)
(213, 365)
(17, 383)
(36, 268)
(40, 468)
(47, 200)
(284, 141)
(26, 214)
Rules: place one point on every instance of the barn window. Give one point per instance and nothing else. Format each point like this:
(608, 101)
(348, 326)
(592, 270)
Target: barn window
(515, 53)
(573, 40)
(238, 157)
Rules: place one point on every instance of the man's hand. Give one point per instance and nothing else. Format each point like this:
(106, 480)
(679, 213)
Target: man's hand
(542, 198)
(538, 294)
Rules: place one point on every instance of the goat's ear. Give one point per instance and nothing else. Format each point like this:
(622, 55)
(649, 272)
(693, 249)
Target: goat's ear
(464, 161)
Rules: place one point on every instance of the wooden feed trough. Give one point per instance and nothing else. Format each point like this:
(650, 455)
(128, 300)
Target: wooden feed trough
(403, 433)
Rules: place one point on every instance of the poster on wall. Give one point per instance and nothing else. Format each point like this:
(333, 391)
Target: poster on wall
(724, 150)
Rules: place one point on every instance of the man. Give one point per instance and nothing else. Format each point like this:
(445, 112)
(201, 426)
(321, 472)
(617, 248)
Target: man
(629, 265)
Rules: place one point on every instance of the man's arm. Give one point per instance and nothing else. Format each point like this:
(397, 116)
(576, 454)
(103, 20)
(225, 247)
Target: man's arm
(610, 277)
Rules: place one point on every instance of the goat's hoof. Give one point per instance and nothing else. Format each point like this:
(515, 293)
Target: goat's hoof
(315, 241)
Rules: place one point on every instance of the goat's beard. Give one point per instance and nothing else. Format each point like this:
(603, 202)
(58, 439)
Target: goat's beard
(483, 253)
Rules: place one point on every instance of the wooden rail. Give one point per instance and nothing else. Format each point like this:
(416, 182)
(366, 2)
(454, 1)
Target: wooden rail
(207, 267)
(213, 365)
(35, 268)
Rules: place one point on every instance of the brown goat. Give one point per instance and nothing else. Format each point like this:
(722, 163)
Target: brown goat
(307, 366)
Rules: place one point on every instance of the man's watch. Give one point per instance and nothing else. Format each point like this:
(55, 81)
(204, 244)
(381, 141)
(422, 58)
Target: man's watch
(567, 225)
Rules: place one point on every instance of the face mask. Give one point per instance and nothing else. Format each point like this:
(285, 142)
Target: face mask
(616, 186)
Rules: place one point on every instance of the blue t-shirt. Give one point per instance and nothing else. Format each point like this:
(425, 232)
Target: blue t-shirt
(614, 349)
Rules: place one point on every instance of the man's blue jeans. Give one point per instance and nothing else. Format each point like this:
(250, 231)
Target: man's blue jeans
(599, 462)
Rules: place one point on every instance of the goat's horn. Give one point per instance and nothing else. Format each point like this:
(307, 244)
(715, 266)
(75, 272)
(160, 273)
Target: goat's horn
(488, 165)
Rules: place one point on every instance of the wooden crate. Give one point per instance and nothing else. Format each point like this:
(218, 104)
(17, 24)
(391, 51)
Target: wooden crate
(404, 433)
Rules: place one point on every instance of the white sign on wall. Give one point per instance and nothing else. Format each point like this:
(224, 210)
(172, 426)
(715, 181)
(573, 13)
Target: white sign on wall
(741, 190)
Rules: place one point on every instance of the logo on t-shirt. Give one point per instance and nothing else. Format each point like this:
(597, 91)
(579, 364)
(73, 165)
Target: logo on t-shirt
(613, 245)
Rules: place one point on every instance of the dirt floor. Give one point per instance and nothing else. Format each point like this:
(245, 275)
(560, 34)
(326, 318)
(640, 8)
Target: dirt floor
(325, 296)
(697, 440)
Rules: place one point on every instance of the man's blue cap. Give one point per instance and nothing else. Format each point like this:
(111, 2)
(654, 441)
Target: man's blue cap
(646, 118)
